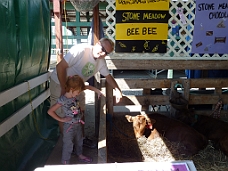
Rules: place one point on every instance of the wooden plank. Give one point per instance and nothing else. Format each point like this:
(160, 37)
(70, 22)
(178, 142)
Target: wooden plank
(208, 82)
(209, 112)
(57, 9)
(217, 91)
(137, 83)
(145, 64)
(97, 75)
(102, 148)
(96, 25)
(14, 92)
(127, 108)
(129, 83)
(146, 91)
(109, 96)
(22, 113)
(194, 99)
(198, 112)
(186, 85)
(203, 99)
(97, 103)
(172, 88)
(144, 100)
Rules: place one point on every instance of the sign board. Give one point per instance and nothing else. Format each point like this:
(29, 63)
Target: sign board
(186, 165)
(142, 26)
(210, 27)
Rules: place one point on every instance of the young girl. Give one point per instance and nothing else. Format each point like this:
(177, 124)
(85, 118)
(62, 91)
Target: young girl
(72, 127)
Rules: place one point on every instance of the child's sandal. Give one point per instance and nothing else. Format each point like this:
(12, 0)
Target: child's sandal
(86, 160)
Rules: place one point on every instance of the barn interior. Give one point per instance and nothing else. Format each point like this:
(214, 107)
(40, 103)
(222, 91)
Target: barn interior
(146, 80)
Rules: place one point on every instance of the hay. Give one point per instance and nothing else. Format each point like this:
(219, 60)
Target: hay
(162, 150)
(122, 146)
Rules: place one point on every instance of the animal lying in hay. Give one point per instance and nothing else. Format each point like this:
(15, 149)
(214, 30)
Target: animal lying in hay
(214, 129)
(172, 129)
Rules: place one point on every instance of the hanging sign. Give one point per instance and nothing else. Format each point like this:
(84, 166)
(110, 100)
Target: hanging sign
(142, 26)
(210, 27)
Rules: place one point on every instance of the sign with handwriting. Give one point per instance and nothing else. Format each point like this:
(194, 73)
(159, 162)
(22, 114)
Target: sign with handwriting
(210, 27)
(142, 26)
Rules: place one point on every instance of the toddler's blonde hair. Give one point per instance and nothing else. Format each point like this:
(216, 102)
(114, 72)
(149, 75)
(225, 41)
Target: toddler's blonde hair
(75, 82)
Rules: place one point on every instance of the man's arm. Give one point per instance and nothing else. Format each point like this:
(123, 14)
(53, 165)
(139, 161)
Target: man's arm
(115, 86)
(61, 68)
(99, 93)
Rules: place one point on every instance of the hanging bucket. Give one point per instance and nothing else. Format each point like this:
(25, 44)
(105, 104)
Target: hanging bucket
(179, 103)
(84, 5)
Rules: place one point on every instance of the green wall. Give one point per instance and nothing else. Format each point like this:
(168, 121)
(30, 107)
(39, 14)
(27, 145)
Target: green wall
(25, 51)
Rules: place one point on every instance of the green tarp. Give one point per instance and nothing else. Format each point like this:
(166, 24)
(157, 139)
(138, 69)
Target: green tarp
(25, 48)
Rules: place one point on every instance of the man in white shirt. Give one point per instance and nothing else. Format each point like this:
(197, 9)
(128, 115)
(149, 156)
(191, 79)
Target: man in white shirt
(84, 60)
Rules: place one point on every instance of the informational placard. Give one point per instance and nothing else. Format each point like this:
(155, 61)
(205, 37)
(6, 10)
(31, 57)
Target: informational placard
(210, 27)
(142, 26)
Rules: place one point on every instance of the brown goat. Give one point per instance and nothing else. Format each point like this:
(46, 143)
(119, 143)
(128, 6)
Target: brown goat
(214, 129)
(172, 129)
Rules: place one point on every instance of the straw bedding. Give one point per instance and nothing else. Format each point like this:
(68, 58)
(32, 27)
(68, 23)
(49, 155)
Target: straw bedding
(122, 146)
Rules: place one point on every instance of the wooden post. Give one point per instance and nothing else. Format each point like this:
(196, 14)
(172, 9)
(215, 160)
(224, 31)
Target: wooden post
(186, 84)
(97, 76)
(102, 147)
(57, 9)
(146, 91)
(96, 24)
(172, 88)
(217, 91)
(109, 97)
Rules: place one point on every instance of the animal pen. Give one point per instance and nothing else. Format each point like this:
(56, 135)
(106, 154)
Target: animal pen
(203, 91)
(24, 90)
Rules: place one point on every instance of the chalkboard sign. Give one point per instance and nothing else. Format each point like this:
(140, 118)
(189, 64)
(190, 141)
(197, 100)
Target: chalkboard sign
(142, 26)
